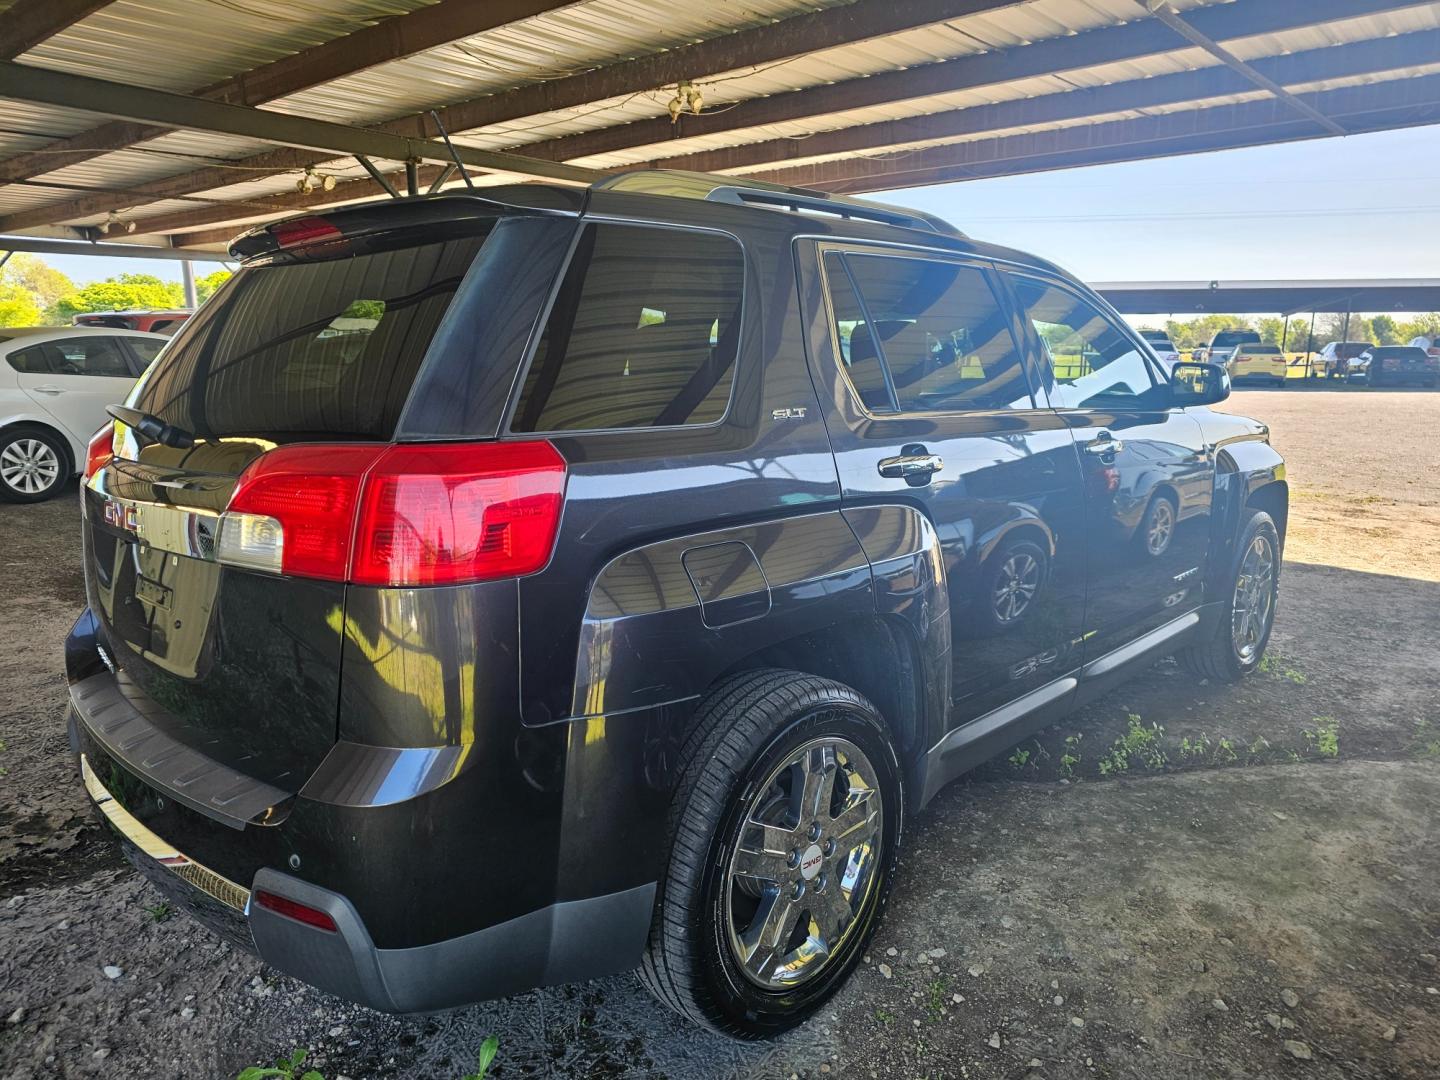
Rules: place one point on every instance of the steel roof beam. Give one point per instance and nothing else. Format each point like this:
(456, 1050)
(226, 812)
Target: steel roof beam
(41, 246)
(1088, 48)
(21, 82)
(1360, 58)
(781, 40)
(27, 23)
(390, 39)
(1396, 103)
(1331, 62)
(1162, 10)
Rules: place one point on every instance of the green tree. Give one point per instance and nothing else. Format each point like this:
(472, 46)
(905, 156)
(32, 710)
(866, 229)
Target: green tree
(18, 306)
(1427, 325)
(1385, 329)
(118, 293)
(39, 278)
(205, 286)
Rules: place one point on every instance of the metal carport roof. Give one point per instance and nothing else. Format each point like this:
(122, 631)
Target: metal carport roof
(240, 97)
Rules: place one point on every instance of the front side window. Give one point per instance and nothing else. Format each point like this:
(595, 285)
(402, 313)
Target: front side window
(643, 333)
(923, 335)
(1096, 364)
(73, 356)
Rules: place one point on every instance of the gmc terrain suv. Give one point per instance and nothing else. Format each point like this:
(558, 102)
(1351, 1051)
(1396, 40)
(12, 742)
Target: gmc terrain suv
(489, 591)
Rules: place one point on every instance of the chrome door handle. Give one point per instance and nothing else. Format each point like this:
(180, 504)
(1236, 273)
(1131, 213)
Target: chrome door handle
(907, 465)
(48, 389)
(1104, 443)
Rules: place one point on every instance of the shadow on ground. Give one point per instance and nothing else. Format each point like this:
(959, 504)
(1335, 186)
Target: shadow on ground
(1146, 926)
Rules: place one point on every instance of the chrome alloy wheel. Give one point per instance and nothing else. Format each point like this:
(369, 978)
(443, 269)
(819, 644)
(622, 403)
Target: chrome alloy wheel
(1254, 603)
(1015, 586)
(806, 861)
(29, 466)
(1161, 527)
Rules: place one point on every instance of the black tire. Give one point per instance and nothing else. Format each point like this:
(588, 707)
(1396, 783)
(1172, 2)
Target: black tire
(1160, 503)
(23, 444)
(748, 725)
(1218, 658)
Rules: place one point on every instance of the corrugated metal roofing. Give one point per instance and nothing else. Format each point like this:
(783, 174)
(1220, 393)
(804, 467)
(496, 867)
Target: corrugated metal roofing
(182, 45)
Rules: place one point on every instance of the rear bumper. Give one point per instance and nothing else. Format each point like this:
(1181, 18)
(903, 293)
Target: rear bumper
(562, 942)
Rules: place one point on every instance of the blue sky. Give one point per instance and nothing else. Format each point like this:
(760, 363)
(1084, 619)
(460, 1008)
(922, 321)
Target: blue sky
(1362, 206)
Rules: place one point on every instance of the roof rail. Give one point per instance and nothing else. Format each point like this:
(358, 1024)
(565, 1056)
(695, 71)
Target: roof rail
(678, 183)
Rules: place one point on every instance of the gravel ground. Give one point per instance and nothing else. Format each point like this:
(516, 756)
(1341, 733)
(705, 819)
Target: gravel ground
(1254, 896)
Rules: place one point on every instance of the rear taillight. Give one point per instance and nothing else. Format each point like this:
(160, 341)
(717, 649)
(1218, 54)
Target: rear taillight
(447, 513)
(402, 515)
(99, 450)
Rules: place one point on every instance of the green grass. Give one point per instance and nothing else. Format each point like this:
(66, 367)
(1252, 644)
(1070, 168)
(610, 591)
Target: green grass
(285, 1069)
(488, 1049)
(161, 911)
(1139, 745)
(1324, 738)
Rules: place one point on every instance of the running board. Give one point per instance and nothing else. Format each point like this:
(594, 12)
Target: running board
(981, 739)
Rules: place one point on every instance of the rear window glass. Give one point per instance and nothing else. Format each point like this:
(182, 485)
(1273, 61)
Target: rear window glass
(1263, 350)
(643, 333)
(1403, 352)
(1234, 337)
(327, 348)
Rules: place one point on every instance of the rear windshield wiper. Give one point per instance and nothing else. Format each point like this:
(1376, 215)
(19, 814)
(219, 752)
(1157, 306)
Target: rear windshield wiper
(152, 427)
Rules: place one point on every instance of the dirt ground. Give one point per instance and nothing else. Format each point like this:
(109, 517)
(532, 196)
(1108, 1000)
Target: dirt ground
(1182, 880)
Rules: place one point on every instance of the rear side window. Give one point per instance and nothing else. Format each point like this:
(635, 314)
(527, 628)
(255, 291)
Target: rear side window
(643, 333)
(323, 348)
(74, 356)
(145, 349)
(930, 329)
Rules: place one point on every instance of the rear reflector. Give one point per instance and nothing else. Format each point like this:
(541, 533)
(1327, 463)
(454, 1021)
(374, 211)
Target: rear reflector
(99, 450)
(292, 909)
(398, 515)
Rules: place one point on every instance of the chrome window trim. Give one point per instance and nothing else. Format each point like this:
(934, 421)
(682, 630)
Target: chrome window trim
(899, 251)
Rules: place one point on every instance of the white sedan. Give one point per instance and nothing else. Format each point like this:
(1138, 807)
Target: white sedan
(55, 382)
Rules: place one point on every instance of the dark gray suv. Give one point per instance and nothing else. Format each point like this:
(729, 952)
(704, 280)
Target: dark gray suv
(505, 589)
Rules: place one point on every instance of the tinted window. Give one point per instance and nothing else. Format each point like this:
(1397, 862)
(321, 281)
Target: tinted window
(642, 333)
(939, 332)
(1398, 352)
(74, 356)
(145, 349)
(1233, 337)
(328, 347)
(1096, 365)
(859, 355)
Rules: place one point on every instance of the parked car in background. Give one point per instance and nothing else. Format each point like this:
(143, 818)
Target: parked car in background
(1257, 363)
(154, 321)
(1163, 348)
(1430, 345)
(612, 597)
(1225, 342)
(55, 382)
(1395, 365)
(1334, 359)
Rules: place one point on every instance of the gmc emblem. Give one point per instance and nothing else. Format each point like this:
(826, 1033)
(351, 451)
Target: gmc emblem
(121, 516)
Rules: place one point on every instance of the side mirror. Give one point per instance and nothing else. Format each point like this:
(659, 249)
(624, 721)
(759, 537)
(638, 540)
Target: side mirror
(1194, 383)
